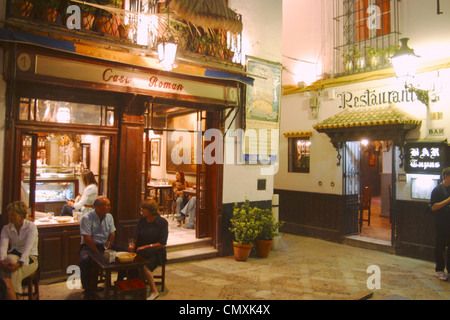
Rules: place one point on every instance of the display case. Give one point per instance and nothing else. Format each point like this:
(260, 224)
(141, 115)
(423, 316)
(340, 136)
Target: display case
(51, 194)
(53, 172)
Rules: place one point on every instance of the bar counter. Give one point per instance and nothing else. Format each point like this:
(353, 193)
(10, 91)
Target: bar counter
(59, 245)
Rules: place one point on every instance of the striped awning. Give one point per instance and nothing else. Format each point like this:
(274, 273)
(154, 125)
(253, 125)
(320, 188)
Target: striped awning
(208, 14)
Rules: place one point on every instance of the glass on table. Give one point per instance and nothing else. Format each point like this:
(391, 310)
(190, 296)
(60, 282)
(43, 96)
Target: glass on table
(131, 244)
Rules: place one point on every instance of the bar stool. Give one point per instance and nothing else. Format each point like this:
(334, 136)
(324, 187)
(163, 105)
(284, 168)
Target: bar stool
(29, 282)
(134, 287)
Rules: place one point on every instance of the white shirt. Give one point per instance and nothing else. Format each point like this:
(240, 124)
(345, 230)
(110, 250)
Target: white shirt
(26, 241)
(89, 195)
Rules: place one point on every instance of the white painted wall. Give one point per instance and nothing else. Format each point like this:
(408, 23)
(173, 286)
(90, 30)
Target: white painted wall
(261, 39)
(296, 116)
(308, 34)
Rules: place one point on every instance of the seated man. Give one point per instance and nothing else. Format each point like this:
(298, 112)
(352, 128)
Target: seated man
(97, 229)
(188, 210)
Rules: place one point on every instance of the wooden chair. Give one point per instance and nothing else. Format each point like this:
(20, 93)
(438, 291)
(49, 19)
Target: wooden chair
(161, 277)
(32, 281)
(168, 203)
(366, 200)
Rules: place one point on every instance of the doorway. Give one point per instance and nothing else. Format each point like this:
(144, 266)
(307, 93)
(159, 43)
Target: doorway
(368, 180)
(376, 176)
(173, 142)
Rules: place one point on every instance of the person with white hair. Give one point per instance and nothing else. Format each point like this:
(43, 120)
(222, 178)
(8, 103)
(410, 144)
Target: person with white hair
(21, 237)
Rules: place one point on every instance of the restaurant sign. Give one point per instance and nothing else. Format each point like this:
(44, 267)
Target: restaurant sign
(370, 98)
(425, 157)
(131, 79)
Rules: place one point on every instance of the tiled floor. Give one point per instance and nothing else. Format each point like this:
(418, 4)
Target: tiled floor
(178, 234)
(380, 227)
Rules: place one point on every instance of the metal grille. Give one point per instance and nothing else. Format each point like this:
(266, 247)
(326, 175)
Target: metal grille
(366, 33)
(352, 163)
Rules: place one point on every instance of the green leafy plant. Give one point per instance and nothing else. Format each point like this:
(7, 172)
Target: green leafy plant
(269, 228)
(372, 52)
(245, 223)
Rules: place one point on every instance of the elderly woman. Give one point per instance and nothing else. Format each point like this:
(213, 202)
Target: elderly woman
(84, 202)
(21, 237)
(151, 239)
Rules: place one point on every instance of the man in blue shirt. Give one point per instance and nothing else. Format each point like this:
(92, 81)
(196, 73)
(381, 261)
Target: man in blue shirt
(96, 229)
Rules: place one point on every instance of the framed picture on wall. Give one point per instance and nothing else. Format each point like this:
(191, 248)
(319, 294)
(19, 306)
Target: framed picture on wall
(155, 152)
(174, 147)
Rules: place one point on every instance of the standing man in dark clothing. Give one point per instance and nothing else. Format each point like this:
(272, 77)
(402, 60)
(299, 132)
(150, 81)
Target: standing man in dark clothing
(440, 201)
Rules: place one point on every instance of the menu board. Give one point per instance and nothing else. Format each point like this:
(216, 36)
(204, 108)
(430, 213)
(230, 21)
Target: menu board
(262, 112)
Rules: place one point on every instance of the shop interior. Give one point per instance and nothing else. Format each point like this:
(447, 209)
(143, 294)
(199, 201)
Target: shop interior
(61, 158)
(376, 180)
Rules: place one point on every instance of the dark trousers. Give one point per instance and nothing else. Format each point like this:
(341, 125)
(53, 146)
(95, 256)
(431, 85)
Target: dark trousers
(67, 211)
(442, 249)
(86, 266)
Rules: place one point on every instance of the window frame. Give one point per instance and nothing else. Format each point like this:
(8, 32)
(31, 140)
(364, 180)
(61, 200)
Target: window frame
(293, 155)
(352, 33)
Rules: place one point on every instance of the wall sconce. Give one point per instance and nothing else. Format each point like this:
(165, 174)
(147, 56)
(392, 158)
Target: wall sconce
(315, 103)
(364, 144)
(405, 63)
(167, 48)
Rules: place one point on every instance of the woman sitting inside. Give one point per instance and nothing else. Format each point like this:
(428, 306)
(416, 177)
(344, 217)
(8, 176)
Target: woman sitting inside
(178, 187)
(151, 239)
(84, 202)
(21, 236)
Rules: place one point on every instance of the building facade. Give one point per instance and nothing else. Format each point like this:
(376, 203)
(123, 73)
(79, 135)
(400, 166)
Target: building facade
(95, 95)
(348, 122)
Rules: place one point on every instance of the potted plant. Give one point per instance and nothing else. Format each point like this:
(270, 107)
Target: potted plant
(348, 59)
(374, 56)
(245, 227)
(389, 52)
(23, 8)
(49, 10)
(106, 22)
(269, 230)
(360, 61)
(88, 14)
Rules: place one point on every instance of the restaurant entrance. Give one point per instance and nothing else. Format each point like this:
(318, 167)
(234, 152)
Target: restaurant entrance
(368, 177)
(174, 142)
(376, 187)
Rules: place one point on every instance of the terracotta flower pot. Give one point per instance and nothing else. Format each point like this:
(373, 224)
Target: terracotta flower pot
(87, 20)
(23, 8)
(49, 15)
(107, 25)
(242, 251)
(263, 247)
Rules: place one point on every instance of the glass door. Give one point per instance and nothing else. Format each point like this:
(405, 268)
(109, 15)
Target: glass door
(103, 171)
(27, 170)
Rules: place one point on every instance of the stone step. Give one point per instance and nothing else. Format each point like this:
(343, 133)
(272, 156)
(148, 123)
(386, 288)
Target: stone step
(191, 254)
(369, 243)
(196, 243)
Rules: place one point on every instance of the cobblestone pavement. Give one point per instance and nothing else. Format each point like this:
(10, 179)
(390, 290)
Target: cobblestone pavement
(301, 269)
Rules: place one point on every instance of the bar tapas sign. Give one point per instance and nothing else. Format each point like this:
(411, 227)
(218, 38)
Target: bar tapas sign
(425, 157)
